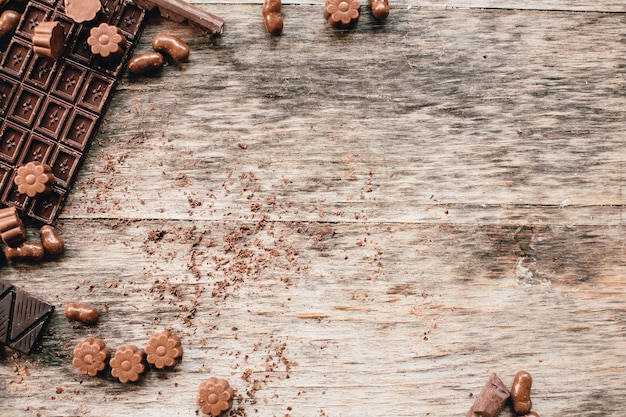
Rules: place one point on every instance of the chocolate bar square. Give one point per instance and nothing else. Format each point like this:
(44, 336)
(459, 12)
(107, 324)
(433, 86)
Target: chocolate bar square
(22, 317)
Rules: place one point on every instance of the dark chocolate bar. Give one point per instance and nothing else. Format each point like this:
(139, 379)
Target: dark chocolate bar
(22, 317)
(491, 398)
(50, 109)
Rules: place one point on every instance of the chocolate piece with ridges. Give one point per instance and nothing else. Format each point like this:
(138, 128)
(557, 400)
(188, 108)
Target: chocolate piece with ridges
(12, 229)
(491, 398)
(22, 317)
(50, 109)
(342, 14)
(49, 39)
(180, 11)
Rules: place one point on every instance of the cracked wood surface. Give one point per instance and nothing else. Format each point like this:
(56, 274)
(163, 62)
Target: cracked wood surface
(359, 223)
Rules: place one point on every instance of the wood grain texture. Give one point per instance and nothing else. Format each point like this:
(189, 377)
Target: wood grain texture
(352, 223)
(554, 5)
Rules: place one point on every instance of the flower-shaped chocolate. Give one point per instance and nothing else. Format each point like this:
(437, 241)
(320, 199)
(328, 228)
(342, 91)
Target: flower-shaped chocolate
(82, 10)
(215, 396)
(342, 14)
(34, 179)
(127, 363)
(90, 356)
(163, 350)
(106, 41)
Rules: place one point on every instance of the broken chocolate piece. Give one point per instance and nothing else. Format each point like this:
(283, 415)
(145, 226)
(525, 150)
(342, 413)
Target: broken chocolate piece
(180, 11)
(22, 317)
(491, 399)
(49, 39)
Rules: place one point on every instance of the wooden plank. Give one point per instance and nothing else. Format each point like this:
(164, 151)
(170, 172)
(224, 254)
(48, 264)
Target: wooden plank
(611, 6)
(355, 223)
(375, 318)
(448, 116)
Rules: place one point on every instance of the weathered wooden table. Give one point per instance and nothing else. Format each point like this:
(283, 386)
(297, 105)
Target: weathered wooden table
(361, 223)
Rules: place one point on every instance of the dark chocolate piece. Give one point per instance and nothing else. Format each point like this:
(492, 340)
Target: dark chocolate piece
(50, 109)
(22, 317)
(181, 11)
(491, 399)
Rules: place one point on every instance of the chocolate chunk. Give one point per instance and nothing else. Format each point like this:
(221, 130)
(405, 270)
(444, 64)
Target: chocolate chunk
(22, 317)
(181, 11)
(50, 109)
(491, 399)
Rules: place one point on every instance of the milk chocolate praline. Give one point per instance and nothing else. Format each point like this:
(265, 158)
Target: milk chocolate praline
(163, 350)
(90, 356)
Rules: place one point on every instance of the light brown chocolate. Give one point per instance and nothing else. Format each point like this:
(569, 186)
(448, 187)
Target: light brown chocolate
(91, 356)
(520, 392)
(81, 312)
(272, 16)
(82, 10)
(9, 20)
(172, 46)
(531, 414)
(163, 350)
(34, 178)
(127, 364)
(215, 396)
(145, 62)
(182, 11)
(25, 252)
(342, 14)
(51, 241)
(49, 39)
(12, 230)
(107, 42)
(380, 9)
